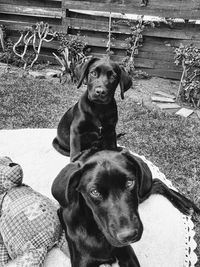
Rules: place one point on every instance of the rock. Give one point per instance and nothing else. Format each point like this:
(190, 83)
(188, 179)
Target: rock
(45, 74)
(198, 113)
(51, 73)
(37, 74)
(3, 65)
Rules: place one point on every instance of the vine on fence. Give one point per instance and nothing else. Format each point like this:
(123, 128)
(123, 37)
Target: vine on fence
(2, 39)
(189, 87)
(111, 38)
(135, 41)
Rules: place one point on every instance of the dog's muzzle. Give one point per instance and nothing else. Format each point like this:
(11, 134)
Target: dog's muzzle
(127, 236)
(99, 96)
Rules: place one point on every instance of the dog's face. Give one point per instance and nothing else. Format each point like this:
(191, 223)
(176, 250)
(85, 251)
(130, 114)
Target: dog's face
(103, 77)
(111, 184)
(110, 191)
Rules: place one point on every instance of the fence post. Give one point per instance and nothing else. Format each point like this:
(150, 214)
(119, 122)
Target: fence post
(65, 20)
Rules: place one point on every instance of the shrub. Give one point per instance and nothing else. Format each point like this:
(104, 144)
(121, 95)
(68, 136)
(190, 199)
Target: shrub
(189, 88)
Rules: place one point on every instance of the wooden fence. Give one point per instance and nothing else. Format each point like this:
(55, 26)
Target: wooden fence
(156, 56)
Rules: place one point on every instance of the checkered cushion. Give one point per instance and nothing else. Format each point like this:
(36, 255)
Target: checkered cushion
(29, 225)
(4, 256)
(29, 221)
(32, 258)
(11, 174)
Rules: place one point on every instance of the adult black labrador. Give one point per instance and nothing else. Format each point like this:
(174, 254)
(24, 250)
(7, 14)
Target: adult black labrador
(99, 195)
(92, 120)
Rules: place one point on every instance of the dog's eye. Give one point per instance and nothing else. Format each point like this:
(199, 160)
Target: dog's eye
(94, 73)
(112, 78)
(94, 193)
(130, 184)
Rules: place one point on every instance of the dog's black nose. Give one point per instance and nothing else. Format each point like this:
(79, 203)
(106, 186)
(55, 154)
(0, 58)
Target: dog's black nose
(100, 91)
(127, 235)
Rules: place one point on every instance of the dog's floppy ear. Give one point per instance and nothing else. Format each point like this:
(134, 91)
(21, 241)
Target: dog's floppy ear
(143, 174)
(85, 70)
(125, 82)
(64, 185)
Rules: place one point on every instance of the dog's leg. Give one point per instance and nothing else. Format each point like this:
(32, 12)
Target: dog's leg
(182, 203)
(109, 137)
(75, 257)
(110, 142)
(60, 149)
(144, 2)
(75, 144)
(126, 257)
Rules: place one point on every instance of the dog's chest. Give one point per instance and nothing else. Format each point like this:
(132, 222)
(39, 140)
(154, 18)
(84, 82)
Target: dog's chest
(96, 249)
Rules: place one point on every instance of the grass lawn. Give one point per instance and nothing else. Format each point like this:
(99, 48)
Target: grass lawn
(170, 142)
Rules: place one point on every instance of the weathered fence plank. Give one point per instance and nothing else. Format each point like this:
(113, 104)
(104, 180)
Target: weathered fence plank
(12, 20)
(24, 25)
(186, 9)
(98, 23)
(33, 11)
(36, 3)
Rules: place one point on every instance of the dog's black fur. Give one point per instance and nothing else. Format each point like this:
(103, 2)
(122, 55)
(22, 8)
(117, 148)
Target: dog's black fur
(92, 120)
(99, 195)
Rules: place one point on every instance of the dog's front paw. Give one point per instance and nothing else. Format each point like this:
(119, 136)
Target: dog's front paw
(108, 265)
(115, 264)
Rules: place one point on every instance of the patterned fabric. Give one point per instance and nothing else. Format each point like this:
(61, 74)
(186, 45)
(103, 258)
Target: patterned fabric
(4, 256)
(29, 225)
(32, 258)
(11, 174)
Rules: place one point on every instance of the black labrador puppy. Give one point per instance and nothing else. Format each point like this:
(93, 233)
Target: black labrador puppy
(99, 195)
(92, 120)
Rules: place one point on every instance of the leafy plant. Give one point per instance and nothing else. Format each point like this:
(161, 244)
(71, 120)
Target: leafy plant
(32, 37)
(189, 87)
(7, 55)
(72, 50)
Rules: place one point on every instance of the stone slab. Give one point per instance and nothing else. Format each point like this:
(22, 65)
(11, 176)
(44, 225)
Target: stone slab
(184, 112)
(168, 105)
(198, 113)
(161, 93)
(162, 99)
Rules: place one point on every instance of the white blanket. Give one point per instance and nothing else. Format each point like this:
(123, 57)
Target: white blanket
(167, 240)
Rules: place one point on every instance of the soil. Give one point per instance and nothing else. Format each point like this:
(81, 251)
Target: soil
(143, 89)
